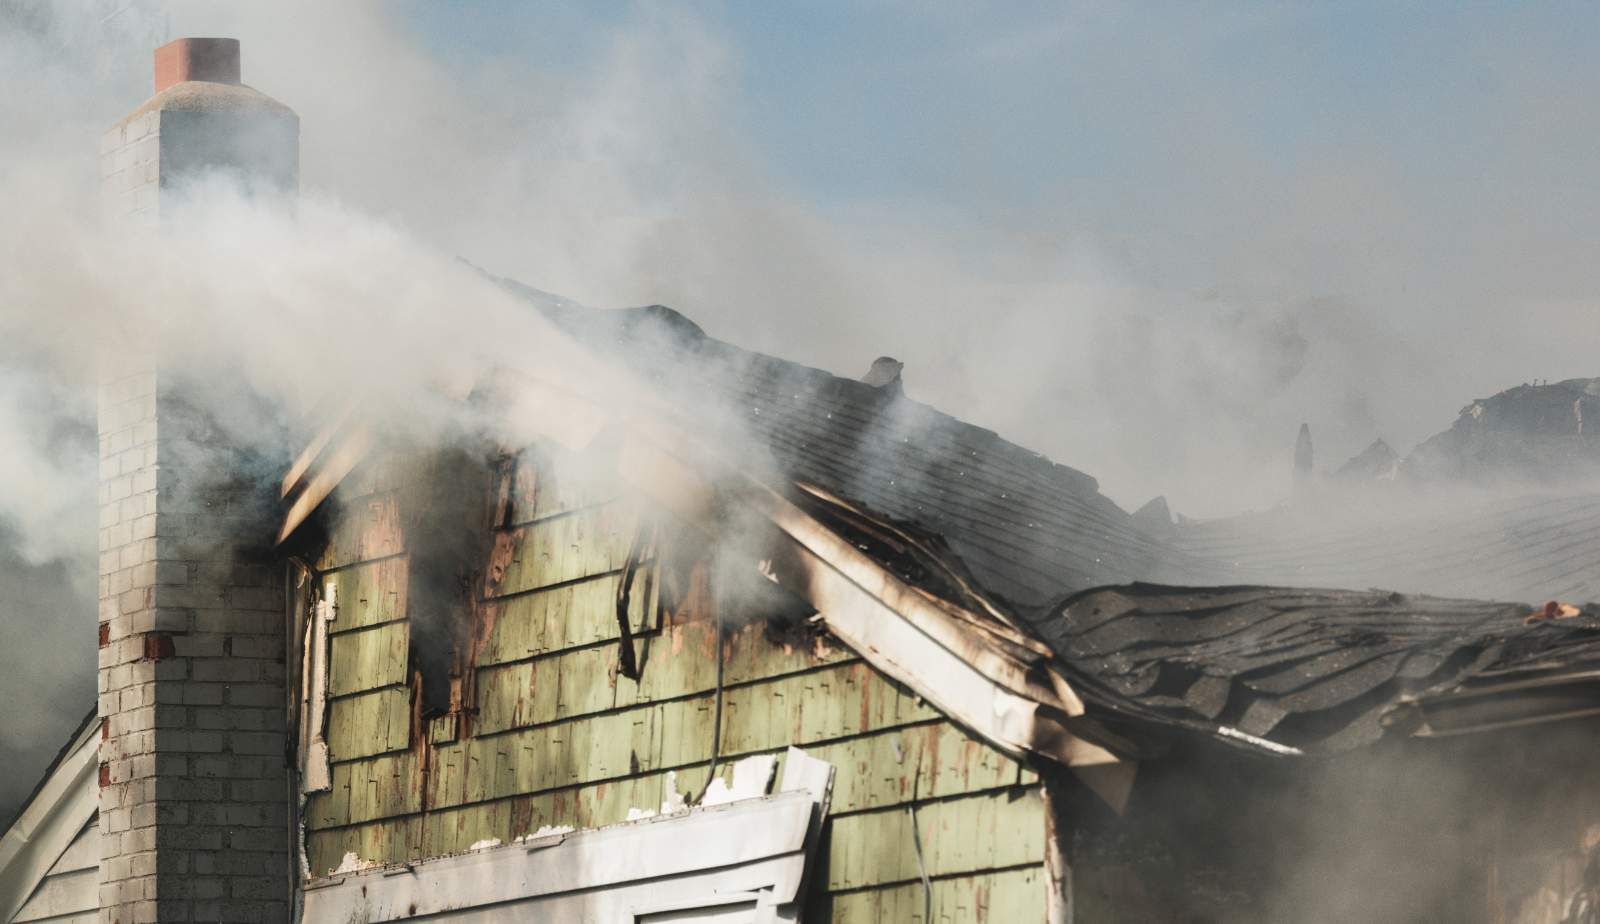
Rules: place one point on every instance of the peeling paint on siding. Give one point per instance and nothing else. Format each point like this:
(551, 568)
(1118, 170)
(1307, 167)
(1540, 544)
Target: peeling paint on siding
(548, 735)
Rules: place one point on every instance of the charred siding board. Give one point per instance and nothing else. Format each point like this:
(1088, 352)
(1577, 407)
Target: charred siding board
(836, 702)
(365, 529)
(569, 547)
(386, 785)
(559, 618)
(560, 739)
(564, 754)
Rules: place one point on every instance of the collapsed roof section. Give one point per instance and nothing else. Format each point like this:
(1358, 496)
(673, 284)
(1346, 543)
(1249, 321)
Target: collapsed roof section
(1295, 671)
(941, 552)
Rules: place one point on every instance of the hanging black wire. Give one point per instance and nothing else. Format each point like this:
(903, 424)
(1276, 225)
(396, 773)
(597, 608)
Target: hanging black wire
(627, 659)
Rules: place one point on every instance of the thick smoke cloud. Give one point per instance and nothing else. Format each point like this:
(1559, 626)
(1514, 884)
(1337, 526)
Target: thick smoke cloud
(55, 68)
(1167, 336)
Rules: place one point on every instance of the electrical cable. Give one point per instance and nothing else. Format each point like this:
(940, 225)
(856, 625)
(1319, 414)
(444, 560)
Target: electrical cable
(916, 841)
(716, 715)
(627, 660)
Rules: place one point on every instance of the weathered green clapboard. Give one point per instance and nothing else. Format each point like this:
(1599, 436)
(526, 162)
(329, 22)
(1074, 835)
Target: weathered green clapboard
(559, 738)
(1014, 895)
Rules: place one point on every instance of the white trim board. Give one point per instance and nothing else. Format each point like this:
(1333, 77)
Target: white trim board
(752, 852)
(50, 823)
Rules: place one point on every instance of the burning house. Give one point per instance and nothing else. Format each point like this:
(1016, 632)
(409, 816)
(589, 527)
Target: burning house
(697, 634)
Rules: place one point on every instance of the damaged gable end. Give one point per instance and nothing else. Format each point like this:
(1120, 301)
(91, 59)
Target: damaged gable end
(546, 730)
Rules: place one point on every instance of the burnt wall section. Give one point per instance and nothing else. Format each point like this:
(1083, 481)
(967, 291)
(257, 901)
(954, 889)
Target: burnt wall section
(193, 779)
(549, 732)
(446, 513)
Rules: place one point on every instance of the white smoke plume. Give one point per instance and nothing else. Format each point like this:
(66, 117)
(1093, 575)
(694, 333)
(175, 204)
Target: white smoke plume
(1168, 342)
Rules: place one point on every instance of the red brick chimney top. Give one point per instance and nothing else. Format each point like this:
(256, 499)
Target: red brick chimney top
(211, 59)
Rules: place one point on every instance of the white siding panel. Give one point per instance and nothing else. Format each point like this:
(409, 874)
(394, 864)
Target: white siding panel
(71, 890)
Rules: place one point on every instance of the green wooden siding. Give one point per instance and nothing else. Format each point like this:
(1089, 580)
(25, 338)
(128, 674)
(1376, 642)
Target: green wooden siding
(550, 481)
(369, 723)
(678, 661)
(368, 658)
(932, 760)
(364, 529)
(365, 790)
(559, 738)
(960, 835)
(1015, 895)
(559, 618)
(581, 544)
(368, 594)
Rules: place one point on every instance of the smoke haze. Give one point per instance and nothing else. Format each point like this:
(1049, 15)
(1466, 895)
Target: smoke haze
(1146, 244)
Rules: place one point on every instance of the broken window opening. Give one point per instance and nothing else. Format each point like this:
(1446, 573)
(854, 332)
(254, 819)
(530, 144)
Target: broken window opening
(448, 536)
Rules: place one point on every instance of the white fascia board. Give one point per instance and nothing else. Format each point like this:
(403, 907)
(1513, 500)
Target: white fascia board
(752, 845)
(873, 612)
(983, 647)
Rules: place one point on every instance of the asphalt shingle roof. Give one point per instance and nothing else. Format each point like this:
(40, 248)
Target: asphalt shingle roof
(1308, 669)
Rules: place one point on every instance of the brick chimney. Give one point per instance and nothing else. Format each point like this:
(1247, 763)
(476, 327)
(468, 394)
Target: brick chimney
(194, 787)
(201, 121)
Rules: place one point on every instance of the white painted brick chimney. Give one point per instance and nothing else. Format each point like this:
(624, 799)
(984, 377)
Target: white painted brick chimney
(194, 791)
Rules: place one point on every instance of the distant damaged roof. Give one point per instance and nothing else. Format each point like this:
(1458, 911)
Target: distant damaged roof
(1296, 671)
(1529, 547)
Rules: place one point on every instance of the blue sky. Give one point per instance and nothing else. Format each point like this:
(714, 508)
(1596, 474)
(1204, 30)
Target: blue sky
(1409, 188)
(1146, 239)
(1015, 105)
